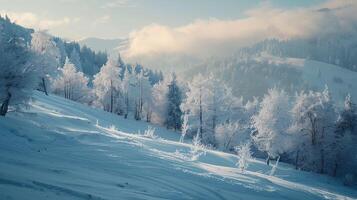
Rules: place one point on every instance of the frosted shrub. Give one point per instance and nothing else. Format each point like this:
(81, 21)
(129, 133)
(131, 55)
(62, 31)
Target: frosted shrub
(244, 155)
(112, 128)
(197, 148)
(150, 132)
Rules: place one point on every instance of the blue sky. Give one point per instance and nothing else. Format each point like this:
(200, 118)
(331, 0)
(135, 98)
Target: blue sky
(76, 19)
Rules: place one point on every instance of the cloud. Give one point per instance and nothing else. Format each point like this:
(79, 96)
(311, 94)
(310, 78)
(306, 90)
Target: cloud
(102, 20)
(212, 37)
(32, 20)
(118, 4)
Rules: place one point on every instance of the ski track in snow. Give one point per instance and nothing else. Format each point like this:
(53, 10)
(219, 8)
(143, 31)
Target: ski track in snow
(59, 149)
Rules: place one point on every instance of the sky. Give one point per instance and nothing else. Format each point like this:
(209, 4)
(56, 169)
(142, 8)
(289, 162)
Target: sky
(171, 32)
(78, 19)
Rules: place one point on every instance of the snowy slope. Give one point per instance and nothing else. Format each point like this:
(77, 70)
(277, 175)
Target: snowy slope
(316, 75)
(59, 149)
(108, 45)
(253, 76)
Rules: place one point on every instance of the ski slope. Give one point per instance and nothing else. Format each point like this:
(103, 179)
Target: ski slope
(58, 149)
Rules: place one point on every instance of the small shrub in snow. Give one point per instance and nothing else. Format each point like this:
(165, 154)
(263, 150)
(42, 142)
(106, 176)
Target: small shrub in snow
(197, 148)
(112, 128)
(150, 132)
(244, 155)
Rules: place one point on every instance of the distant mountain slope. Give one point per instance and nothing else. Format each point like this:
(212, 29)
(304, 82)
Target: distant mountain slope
(252, 76)
(58, 149)
(340, 50)
(109, 45)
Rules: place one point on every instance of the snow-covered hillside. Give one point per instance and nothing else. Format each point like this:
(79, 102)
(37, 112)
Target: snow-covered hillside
(253, 76)
(108, 45)
(58, 149)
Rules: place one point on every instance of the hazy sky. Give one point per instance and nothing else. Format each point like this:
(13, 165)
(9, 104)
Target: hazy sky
(76, 19)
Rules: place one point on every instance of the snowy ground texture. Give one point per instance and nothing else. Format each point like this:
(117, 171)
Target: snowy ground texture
(57, 149)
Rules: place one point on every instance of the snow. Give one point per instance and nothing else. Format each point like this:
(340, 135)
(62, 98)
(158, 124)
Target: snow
(59, 149)
(316, 75)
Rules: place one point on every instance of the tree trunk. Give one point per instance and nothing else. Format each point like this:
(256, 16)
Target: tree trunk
(44, 85)
(127, 105)
(5, 105)
(201, 120)
(268, 160)
(111, 96)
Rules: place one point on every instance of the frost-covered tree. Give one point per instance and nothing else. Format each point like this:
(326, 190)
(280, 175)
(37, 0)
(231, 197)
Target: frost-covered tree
(193, 104)
(128, 83)
(18, 76)
(107, 85)
(71, 84)
(48, 56)
(135, 92)
(238, 125)
(314, 117)
(174, 100)
(160, 102)
(226, 135)
(208, 104)
(166, 99)
(142, 97)
(272, 123)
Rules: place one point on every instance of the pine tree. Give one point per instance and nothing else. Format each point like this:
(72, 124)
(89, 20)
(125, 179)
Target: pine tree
(174, 99)
(75, 58)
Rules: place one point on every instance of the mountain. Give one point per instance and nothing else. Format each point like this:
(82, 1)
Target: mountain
(250, 76)
(109, 45)
(59, 149)
(333, 49)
